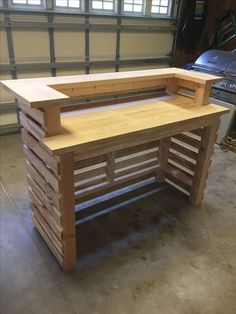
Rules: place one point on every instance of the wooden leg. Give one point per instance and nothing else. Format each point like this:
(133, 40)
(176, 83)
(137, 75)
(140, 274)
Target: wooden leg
(68, 209)
(202, 164)
(163, 158)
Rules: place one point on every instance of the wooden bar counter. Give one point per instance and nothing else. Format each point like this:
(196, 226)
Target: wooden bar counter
(76, 156)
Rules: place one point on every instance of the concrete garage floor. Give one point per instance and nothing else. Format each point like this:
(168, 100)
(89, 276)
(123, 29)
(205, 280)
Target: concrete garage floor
(158, 255)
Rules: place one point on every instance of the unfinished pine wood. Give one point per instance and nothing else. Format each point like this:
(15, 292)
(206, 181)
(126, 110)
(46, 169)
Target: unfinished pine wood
(187, 140)
(67, 208)
(31, 126)
(48, 175)
(45, 200)
(52, 195)
(36, 114)
(50, 161)
(72, 159)
(43, 92)
(203, 94)
(149, 119)
(203, 163)
(163, 158)
(52, 121)
(172, 86)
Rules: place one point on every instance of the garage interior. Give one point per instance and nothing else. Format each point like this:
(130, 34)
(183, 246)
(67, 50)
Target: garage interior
(150, 250)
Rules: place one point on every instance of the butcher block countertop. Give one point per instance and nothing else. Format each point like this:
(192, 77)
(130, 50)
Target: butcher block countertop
(83, 130)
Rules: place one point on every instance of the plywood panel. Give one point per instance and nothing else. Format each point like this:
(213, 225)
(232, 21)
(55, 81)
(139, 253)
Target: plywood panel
(102, 45)
(69, 45)
(31, 46)
(139, 45)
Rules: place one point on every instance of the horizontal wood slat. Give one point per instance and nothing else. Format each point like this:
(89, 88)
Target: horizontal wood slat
(90, 173)
(57, 252)
(179, 177)
(89, 183)
(47, 229)
(53, 196)
(87, 162)
(180, 174)
(36, 114)
(184, 150)
(100, 89)
(42, 196)
(50, 161)
(198, 132)
(56, 229)
(183, 162)
(188, 140)
(136, 169)
(131, 161)
(178, 182)
(39, 165)
(136, 149)
(31, 126)
(83, 197)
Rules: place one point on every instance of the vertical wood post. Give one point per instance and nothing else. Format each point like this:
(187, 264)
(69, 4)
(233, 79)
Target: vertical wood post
(163, 158)
(68, 209)
(202, 164)
(172, 86)
(202, 94)
(52, 120)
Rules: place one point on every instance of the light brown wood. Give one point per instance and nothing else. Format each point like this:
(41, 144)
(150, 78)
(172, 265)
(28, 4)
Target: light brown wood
(74, 157)
(50, 161)
(188, 140)
(183, 162)
(132, 160)
(52, 195)
(163, 158)
(67, 208)
(40, 166)
(203, 163)
(52, 121)
(47, 203)
(56, 229)
(43, 92)
(31, 126)
(47, 229)
(202, 94)
(36, 114)
(149, 119)
(56, 251)
(172, 86)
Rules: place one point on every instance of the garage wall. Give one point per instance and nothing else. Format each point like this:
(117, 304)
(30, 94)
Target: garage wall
(32, 46)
